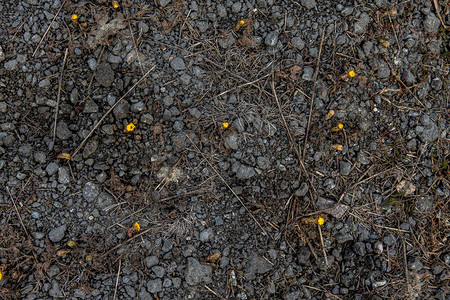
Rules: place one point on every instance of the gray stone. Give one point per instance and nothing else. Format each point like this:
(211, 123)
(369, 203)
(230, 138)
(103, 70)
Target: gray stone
(63, 175)
(303, 255)
(90, 107)
(114, 59)
(309, 4)
(10, 65)
(295, 295)
(383, 71)
(144, 295)
(298, 43)
(308, 73)
(147, 119)
(429, 131)
(431, 23)
(25, 150)
(104, 74)
(90, 148)
(303, 190)
(104, 200)
(55, 291)
(164, 3)
(137, 107)
(178, 64)
(40, 157)
(325, 265)
(62, 131)
(168, 101)
(263, 162)
(90, 191)
(424, 204)
(245, 172)
(232, 141)
(197, 273)
(57, 234)
(359, 248)
(360, 26)
(271, 38)
(121, 110)
(44, 83)
(342, 238)
(206, 234)
(151, 261)
(345, 168)
(167, 246)
(389, 240)
(256, 265)
(159, 271)
(52, 168)
(414, 263)
(236, 7)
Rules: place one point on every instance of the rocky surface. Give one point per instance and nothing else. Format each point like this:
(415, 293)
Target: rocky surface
(228, 164)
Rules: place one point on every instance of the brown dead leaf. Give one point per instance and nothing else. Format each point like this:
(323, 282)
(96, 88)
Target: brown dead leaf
(406, 187)
(295, 72)
(63, 252)
(213, 257)
(105, 29)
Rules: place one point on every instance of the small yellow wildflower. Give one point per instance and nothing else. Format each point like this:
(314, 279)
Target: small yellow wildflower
(337, 128)
(130, 127)
(351, 73)
(115, 4)
(74, 18)
(136, 226)
(320, 221)
(329, 115)
(1, 275)
(239, 25)
(225, 125)
(337, 147)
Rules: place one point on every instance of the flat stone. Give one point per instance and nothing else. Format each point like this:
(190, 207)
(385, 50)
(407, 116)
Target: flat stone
(309, 4)
(197, 273)
(298, 43)
(62, 131)
(178, 64)
(151, 261)
(257, 265)
(2, 54)
(104, 200)
(272, 38)
(232, 141)
(90, 148)
(431, 23)
(122, 109)
(57, 234)
(154, 286)
(345, 168)
(90, 191)
(245, 172)
(104, 74)
(63, 175)
(52, 168)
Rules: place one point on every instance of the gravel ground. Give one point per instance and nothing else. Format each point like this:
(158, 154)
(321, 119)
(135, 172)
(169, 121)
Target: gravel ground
(175, 149)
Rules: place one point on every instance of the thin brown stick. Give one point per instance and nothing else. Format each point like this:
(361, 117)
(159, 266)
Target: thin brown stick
(58, 98)
(436, 6)
(405, 265)
(323, 246)
(239, 86)
(313, 95)
(117, 279)
(109, 111)
(17, 212)
(229, 187)
(45, 34)
(215, 293)
(127, 241)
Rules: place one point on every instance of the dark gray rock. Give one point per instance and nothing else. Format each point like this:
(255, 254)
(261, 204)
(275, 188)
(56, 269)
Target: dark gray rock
(52, 168)
(345, 168)
(272, 38)
(303, 190)
(383, 71)
(245, 172)
(197, 273)
(2, 54)
(256, 265)
(360, 26)
(90, 107)
(309, 4)
(104, 200)
(206, 234)
(298, 43)
(57, 234)
(10, 65)
(308, 73)
(431, 23)
(62, 131)
(90, 148)
(104, 74)
(178, 64)
(263, 162)
(63, 175)
(428, 131)
(325, 265)
(425, 204)
(414, 263)
(90, 191)
(151, 261)
(122, 110)
(232, 141)
(303, 255)
(159, 271)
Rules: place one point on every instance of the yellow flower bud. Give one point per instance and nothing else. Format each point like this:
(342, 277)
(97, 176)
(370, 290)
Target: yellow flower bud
(351, 73)
(320, 221)
(130, 127)
(337, 128)
(337, 147)
(136, 226)
(225, 125)
(115, 4)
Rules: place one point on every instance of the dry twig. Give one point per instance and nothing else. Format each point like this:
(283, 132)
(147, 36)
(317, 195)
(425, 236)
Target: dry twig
(58, 98)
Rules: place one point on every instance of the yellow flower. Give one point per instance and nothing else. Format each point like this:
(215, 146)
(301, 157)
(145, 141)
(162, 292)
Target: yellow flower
(130, 127)
(115, 4)
(1, 275)
(329, 115)
(320, 221)
(337, 128)
(136, 226)
(225, 125)
(337, 147)
(239, 25)
(74, 17)
(351, 73)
